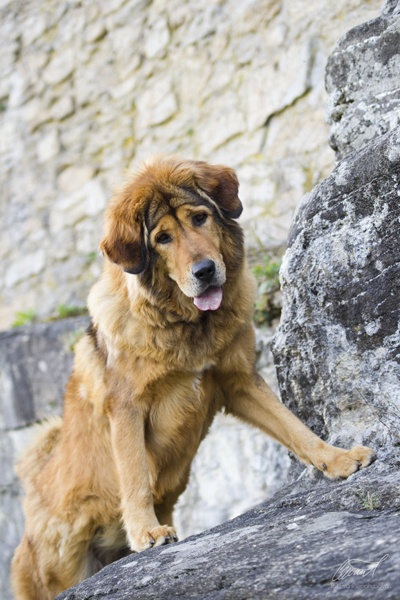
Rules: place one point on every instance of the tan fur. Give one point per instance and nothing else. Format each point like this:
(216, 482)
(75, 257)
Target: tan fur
(148, 378)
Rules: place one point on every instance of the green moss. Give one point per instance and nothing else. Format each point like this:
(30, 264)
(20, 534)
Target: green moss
(92, 256)
(24, 318)
(267, 306)
(71, 311)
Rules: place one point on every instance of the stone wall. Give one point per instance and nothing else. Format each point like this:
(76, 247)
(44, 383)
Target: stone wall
(88, 89)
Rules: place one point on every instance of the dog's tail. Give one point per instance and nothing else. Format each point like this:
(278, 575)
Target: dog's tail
(35, 456)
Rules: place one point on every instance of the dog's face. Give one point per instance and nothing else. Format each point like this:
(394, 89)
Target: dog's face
(188, 243)
(171, 222)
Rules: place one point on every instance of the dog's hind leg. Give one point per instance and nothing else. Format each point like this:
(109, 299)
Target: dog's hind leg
(42, 570)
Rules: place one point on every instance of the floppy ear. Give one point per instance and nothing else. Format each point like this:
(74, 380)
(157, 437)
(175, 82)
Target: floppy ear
(221, 184)
(123, 242)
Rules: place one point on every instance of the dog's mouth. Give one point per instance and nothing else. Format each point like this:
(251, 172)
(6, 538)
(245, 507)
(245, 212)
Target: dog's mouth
(210, 299)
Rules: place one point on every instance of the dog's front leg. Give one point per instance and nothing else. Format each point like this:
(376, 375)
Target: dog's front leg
(128, 442)
(251, 399)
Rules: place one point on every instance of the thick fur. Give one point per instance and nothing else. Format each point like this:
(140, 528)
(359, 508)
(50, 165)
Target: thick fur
(149, 376)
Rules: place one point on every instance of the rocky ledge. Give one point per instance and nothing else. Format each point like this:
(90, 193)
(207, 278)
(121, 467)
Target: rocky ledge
(317, 539)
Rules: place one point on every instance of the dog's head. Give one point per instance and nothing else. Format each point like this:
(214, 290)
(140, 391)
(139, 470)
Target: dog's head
(174, 223)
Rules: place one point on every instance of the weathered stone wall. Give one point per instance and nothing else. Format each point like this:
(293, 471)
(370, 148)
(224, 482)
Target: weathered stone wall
(87, 89)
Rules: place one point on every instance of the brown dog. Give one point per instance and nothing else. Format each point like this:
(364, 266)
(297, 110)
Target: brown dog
(171, 343)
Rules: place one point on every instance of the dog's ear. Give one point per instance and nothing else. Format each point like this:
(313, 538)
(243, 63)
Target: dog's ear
(123, 242)
(221, 184)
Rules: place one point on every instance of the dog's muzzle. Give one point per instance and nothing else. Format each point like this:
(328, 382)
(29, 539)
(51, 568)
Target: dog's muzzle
(210, 278)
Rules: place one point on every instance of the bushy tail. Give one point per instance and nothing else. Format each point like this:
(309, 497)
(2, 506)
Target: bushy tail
(38, 452)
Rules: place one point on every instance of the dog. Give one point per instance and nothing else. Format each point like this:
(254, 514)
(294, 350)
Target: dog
(170, 344)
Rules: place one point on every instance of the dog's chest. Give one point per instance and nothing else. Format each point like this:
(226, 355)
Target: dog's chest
(177, 422)
(181, 407)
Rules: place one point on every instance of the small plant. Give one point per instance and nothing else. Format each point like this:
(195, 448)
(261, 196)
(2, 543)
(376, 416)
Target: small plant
(24, 318)
(368, 500)
(92, 256)
(267, 307)
(71, 311)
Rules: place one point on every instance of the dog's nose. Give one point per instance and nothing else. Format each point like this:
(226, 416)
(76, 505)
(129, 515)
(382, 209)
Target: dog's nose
(204, 270)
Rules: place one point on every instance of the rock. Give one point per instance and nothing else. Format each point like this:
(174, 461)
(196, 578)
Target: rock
(157, 103)
(157, 37)
(25, 268)
(35, 27)
(304, 544)
(35, 363)
(224, 111)
(60, 67)
(88, 200)
(49, 146)
(72, 178)
(63, 108)
(35, 113)
(338, 344)
(363, 81)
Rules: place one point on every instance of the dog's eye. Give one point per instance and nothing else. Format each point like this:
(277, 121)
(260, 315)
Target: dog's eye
(199, 219)
(163, 238)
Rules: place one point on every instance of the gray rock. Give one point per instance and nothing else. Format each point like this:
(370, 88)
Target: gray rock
(35, 363)
(337, 347)
(296, 546)
(363, 81)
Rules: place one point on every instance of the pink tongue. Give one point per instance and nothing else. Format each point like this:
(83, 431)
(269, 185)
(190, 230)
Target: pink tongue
(210, 300)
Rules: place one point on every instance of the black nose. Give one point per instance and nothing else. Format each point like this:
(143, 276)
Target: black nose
(204, 270)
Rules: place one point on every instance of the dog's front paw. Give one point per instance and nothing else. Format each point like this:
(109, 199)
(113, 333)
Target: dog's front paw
(150, 538)
(340, 464)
